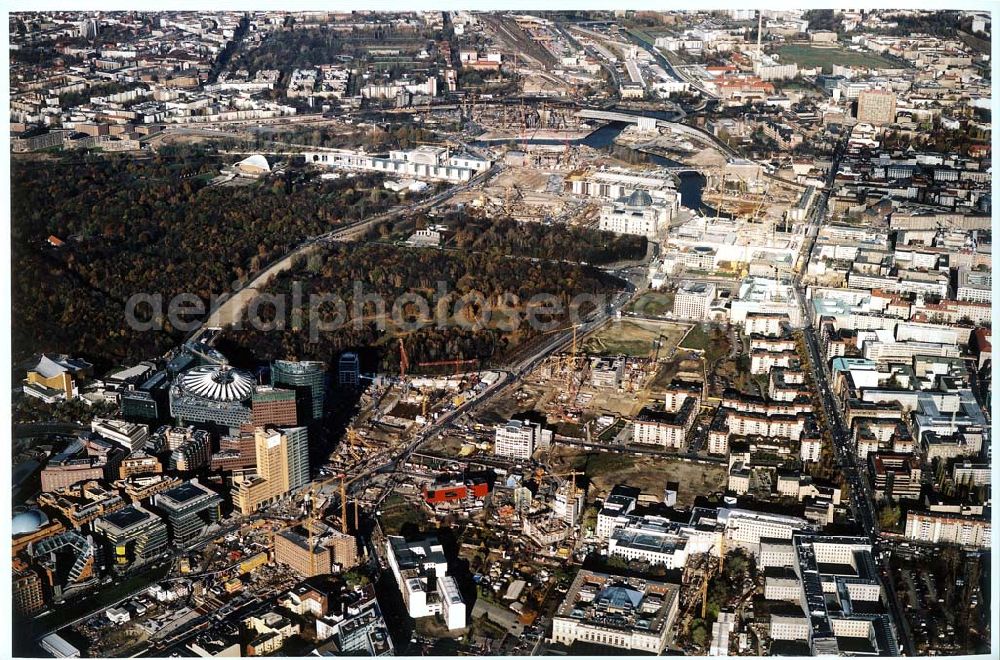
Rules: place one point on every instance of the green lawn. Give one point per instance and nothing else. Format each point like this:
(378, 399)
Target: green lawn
(397, 512)
(653, 303)
(635, 338)
(696, 340)
(811, 56)
(699, 339)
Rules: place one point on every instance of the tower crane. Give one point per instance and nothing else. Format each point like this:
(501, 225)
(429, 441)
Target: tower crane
(447, 363)
(570, 363)
(704, 582)
(659, 344)
(557, 475)
(763, 199)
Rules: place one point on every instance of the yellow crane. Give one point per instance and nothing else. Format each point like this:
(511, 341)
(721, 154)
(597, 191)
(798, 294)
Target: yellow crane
(540, 473)
(756, 213)
(704, 587)
(570, 363)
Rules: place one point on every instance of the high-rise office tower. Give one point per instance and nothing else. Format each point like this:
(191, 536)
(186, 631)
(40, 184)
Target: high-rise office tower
(349, 370)
(308, 379)
(282, 465)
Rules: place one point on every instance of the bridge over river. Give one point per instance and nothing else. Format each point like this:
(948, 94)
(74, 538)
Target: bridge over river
(651, 122)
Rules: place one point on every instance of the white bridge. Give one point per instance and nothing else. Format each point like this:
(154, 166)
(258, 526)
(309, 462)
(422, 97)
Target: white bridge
(649, 123)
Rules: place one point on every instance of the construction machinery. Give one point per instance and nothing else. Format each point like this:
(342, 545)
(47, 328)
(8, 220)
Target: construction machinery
(659, 344)
(755, 216)
(541, 472)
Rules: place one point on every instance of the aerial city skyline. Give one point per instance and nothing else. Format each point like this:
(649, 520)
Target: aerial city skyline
(501, 332)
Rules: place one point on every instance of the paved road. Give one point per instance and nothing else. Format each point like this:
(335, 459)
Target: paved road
(38, 429)
(861, 496)
(231, 307)
(560, 341)
(631, 449)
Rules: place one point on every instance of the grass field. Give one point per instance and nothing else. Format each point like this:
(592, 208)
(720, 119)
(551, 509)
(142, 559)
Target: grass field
(653, 303)
(635, 338)
(696, 340)
(648, 473)
(396, 513)
(810, 56)
(710, 340)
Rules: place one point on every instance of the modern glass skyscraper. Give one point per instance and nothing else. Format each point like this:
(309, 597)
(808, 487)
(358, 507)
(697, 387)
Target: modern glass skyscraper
(297, 452)
(308, 379)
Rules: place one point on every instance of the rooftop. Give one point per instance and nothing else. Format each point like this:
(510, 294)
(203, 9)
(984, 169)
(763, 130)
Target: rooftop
(127, 518)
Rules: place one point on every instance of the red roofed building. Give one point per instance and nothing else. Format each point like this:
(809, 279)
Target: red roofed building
(743, 87)
(446, 490)
(982, 344)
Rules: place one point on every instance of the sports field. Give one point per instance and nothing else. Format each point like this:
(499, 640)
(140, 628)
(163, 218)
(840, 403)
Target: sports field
(811, 56)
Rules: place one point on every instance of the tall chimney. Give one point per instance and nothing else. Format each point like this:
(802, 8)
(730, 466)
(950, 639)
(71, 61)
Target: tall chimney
(760, 22)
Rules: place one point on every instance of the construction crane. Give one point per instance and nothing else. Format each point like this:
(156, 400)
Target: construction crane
(540, 473)
(722, 194)
(311, 524)
(343, 503)
(659, 343)
(756, 213)
(447, 363)
(704, 587)
(570, 363)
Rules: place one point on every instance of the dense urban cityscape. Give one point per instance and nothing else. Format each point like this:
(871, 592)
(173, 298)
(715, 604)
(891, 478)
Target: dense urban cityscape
(501, 333)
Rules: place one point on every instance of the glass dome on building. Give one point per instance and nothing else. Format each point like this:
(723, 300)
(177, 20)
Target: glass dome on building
(28, 522)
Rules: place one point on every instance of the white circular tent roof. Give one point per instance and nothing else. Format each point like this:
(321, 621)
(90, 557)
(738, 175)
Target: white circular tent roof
(219, 383)
(256, 161)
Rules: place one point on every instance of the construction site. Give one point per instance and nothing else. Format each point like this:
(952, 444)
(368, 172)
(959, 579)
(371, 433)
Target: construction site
(749, 197)
(534, 193)
(527, 122)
